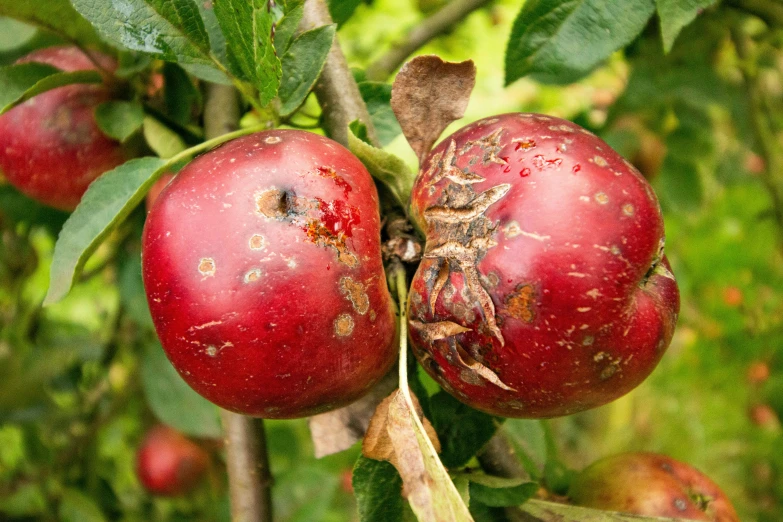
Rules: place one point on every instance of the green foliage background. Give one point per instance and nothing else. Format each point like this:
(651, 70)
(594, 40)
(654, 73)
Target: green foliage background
(81, 380)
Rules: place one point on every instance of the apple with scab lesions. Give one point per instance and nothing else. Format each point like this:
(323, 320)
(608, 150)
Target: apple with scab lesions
(652, 485)
(51, 147)
(263, 272)
(543, 289)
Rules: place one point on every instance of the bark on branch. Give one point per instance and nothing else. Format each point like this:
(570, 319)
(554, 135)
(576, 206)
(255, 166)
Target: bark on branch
(336, 89)
(440, 22)
(247, 461)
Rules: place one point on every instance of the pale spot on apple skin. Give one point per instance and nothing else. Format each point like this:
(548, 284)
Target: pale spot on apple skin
(271, 140)
(343, 325)
(601, 198)
(206, 266)
(600, 161)
(584, 309)
(257, 242)
(253, 275)
(628, 209)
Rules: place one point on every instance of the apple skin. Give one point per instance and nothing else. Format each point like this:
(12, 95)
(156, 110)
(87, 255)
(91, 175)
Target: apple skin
(51, 148)
(263, 272)
(652, 485)
(543, 289)
(168, 463)
(156, 189)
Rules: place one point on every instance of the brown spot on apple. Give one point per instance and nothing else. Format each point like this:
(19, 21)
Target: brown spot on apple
(520, 304)
(343, 325)
(257, 242)
(206, 266)
(354, 291)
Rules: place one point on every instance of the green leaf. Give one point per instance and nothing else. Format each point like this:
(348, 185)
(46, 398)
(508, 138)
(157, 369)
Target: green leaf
(14, 34)
(500, 492)
(21, 82)
(107, 202)
(57, 16)
(19, 208)
(247, 26)
(385, 167)
(119, 119)
(679, 184)
(560, 41)
(171, 30)
(132, 295)
(377, 97)
(173, 401)
(543, 510)
(378, 490)
(77, 507)
(27, 500)
(529, 439)
(462, 431)
(302, 65)
(676, 14)
(179, 94)
(286, 27)
(342, 10)
(161, 139)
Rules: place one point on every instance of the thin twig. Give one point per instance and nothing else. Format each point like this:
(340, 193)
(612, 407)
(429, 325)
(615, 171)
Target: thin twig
(336, 89)
(249, 477)
(440, 22)
(766, 141)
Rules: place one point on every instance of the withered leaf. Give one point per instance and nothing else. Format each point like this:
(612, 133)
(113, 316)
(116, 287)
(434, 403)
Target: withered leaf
(338, 430)
(396, 435)
(427, 95)
(440, 330)
(377, 441)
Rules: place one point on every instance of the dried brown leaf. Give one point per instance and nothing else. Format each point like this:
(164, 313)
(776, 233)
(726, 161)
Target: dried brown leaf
(394, 435)
(377, 442)
(428, 94)
(338, 430)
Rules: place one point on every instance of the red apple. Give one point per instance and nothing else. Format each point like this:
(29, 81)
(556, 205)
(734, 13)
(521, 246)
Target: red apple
(732, 296)
(758, 373)
(156, 189)
(169, 464)
(651, 485)
(543, 289)
(262, 266)
(51, 148)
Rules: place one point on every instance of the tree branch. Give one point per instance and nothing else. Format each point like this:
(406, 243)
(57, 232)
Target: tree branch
(766, 141)
(249, 477)
(440, 22)
(336, 89)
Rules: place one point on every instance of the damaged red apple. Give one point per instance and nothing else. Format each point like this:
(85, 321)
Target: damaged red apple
(652, 485)
(543, 289)
(262, 267)
(51, 148)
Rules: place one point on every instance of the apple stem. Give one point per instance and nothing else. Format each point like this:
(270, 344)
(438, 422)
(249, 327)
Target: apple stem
(247, 459)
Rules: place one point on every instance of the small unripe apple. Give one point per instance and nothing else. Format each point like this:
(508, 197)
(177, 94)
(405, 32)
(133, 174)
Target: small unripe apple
(263, 272)
(652, 485)
(168, 463)
(543, 289)
(51, 148)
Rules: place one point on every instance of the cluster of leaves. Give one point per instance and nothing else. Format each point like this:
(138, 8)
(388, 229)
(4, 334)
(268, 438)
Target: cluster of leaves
(72, 371)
